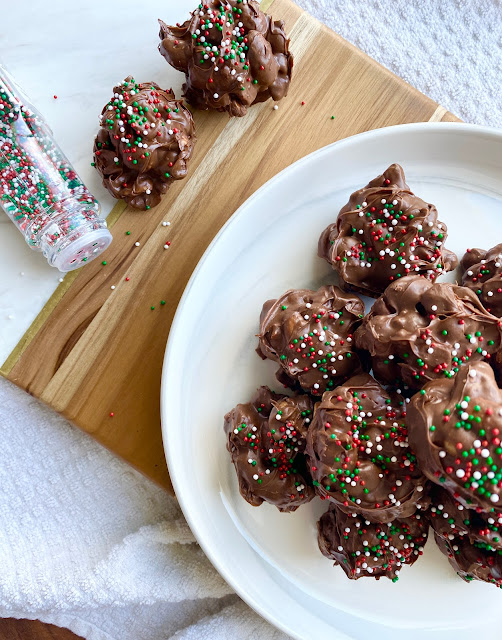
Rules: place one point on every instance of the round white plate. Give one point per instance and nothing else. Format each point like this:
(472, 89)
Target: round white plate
(268, 246)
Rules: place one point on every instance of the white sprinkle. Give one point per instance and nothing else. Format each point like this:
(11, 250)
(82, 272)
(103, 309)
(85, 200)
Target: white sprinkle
(136, 244)
(216, 96)
(275, 107)
(460, 473)
(472, 373)
(494, 497)
(112, 287)
(166, 246)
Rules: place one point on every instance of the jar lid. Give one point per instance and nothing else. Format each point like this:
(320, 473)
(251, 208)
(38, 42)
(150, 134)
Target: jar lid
(82, 250)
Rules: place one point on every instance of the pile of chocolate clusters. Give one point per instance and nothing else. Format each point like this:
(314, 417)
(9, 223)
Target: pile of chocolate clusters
(233, 56)
(416, 444)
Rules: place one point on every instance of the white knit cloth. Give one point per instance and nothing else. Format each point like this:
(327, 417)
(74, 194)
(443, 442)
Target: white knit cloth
(85, 541)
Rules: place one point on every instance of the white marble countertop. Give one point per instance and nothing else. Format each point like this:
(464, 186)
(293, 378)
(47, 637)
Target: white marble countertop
(76, 52)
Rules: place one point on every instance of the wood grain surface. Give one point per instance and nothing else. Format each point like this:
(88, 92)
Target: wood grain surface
(95, 351)
(11, 629)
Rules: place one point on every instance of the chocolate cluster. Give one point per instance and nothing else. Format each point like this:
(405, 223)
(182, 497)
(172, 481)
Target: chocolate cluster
(457, 427)
(364, 548)
(266, 440)
(419, 330)
(482, 273)
(450, 519)
(470, 561)
(310, 335)
(232, 54)
(359, 455)
(384, 233)
(144, 143)
(456, 435)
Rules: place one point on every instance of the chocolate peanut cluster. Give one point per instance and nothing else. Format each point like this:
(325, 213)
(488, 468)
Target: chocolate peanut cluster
(232, 54)
(144, 144)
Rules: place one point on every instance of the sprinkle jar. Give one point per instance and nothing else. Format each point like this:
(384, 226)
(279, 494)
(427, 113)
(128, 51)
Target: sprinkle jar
(39, 189)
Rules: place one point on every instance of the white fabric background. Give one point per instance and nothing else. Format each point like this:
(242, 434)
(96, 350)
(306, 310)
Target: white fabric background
(85, 541)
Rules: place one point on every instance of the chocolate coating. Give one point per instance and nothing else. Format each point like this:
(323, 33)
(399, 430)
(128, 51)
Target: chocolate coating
(358, 452)
(145, 142)
(233, 56)
(482, 273)
(419, 331)
(455, 430)
(279, 479)
(309, 333)
(363, 548)
(470, 561)
(383, 233)
(450, 519)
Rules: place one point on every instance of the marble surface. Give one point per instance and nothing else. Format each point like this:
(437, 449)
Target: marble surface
(77, 52)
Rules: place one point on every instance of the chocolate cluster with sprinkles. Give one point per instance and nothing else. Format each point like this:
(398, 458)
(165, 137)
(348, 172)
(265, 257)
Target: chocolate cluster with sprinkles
(482, 273)
(233, 55)
(455, 430)
(384, 233)
(310, 335)
(472, 561)
(358, 452)
(266, 440)
(145, 142)
(419, 331)
(363, 548)
(450, 519)
(286, 435)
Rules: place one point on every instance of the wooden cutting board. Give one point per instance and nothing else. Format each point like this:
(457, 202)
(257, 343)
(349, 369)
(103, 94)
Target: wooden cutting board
(95, 352)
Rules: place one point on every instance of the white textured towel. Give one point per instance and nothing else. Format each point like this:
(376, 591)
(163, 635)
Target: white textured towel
(85, 541)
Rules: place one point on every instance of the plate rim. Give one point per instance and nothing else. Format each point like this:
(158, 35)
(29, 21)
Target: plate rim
(169, 371)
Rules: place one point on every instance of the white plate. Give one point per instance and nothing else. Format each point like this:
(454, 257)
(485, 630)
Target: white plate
(268, 246)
